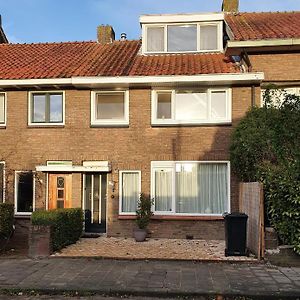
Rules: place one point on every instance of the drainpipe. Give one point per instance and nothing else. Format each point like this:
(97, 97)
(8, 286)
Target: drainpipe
(253, 95)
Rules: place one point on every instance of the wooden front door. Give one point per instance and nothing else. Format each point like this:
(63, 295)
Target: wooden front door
(60, 191)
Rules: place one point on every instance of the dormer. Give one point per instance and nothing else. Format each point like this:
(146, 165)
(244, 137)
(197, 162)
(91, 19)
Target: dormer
(182, 33)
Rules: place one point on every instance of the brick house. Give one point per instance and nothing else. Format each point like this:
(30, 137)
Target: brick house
(93, 124)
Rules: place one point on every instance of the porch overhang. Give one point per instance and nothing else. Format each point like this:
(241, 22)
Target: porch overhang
(104, 166)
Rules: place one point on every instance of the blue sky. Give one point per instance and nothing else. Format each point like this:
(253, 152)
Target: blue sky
(29, 21)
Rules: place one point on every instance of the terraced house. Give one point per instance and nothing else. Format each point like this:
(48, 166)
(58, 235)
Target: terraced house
(94, 124)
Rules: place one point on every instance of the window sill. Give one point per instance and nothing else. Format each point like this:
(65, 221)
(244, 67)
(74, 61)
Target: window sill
(23, 215)
(175, 218)
(45, 125)
(109, 125)
(196, 124)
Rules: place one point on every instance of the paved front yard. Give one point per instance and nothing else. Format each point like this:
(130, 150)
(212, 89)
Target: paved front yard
(173, 249)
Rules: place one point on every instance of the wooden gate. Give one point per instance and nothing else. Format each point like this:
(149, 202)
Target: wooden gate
(252, 204)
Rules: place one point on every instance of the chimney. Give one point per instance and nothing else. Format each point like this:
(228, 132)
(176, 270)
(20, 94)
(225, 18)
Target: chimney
(105, 34)
(123, 36)
(230, 6)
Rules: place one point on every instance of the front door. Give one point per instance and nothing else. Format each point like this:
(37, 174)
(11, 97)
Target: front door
(94, 202)
(60, 191)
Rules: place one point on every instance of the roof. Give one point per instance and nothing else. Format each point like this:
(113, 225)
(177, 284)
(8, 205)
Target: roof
(264, 25)
(120, 58)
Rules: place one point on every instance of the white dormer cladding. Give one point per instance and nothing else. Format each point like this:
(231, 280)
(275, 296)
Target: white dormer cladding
(182, 33)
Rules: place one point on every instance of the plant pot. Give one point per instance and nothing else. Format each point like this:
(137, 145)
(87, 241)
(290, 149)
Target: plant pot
(139, 234)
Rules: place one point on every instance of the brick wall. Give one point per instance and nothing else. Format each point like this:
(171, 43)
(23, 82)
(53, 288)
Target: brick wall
(126, 148)
(277, 66)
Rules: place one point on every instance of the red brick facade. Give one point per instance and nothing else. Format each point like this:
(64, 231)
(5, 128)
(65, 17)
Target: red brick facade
(130, 148)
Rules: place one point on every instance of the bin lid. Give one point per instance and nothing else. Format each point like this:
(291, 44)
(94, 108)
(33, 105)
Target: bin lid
(235, 215)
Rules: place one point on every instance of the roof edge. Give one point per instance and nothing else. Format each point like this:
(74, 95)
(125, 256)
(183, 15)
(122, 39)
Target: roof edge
(263, 43)
(83, 81)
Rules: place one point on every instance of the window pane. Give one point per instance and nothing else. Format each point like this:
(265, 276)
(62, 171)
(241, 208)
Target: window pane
(56, 104)
(2, 108)
(25, 192)
(218, 105)
(1, 181)
(130, 191)
(201, 188)
(39, 108)
(209, 37)
(110, 106)
(163, 190)
(182, 38)
(164, 104)
(155, 39)
(191, 106)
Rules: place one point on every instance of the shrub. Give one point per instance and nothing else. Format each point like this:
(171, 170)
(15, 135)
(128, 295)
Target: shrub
(144, 213)
(265, 147)
(6, 219)
(66, 225)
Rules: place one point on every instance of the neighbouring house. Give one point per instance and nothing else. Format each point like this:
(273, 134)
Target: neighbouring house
(3, 38)
(93, 124)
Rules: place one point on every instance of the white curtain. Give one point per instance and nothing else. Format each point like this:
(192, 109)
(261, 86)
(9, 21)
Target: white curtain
(163, 190)
(2, 108)
(130, 191)
(201, 188)
(209, 37)
(155, 39)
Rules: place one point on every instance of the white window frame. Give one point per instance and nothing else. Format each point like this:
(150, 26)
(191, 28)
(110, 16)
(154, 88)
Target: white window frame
(121, 172)
(4, 182)
(18, 213)
(5, 109)
(109, 122)
(219, 25)
(208, 121)
(171, 165)
(30, 98)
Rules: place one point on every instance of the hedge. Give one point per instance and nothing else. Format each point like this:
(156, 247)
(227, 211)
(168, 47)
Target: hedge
(6, 219)
(66, 225)
(265, 147)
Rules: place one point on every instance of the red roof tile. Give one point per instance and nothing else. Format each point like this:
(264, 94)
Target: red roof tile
(120, 58)
(265, 25)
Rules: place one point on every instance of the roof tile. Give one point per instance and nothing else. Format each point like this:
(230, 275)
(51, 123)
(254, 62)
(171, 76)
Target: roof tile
(264, 25)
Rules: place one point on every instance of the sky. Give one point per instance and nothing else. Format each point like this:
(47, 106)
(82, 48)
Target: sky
(31, 21)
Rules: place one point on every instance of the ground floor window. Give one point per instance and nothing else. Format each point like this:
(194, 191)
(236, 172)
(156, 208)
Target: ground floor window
(2, 182)
(191, 188)
(130, 189)
(24, 192)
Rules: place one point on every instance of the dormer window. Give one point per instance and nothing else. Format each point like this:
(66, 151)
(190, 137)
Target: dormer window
(178, 38)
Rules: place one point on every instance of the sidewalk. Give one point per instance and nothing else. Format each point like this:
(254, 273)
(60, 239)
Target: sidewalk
(148, 278)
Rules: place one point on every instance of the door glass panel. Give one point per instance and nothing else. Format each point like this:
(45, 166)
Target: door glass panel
(103, 199)
(60, 182)
(60, 203)
(96, 199)
(60, 194)
(88, 192)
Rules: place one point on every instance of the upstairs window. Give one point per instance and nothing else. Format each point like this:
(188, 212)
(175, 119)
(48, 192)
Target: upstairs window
(173, 38)
(2, 109)
(46, 108)
(212, 106)
(110, 108)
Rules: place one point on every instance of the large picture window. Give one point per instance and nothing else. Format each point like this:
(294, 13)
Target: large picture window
(129, 192)
(24, 192)
(46, 108)
(191, 188)
(190, 37)
(212, 106)
(110, 108)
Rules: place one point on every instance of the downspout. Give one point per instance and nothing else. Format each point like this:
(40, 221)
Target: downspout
(249, 65)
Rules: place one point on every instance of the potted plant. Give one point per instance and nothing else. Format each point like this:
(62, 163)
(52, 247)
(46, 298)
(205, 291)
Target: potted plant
(143, 215)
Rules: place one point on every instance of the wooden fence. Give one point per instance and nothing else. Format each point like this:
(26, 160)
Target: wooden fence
(252, 204)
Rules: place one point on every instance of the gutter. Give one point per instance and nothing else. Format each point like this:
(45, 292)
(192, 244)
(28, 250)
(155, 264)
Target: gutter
(263, 43)
(84, 81)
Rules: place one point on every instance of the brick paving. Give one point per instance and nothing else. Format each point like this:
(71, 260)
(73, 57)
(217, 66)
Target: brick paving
(148, 278)
(171, 249)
